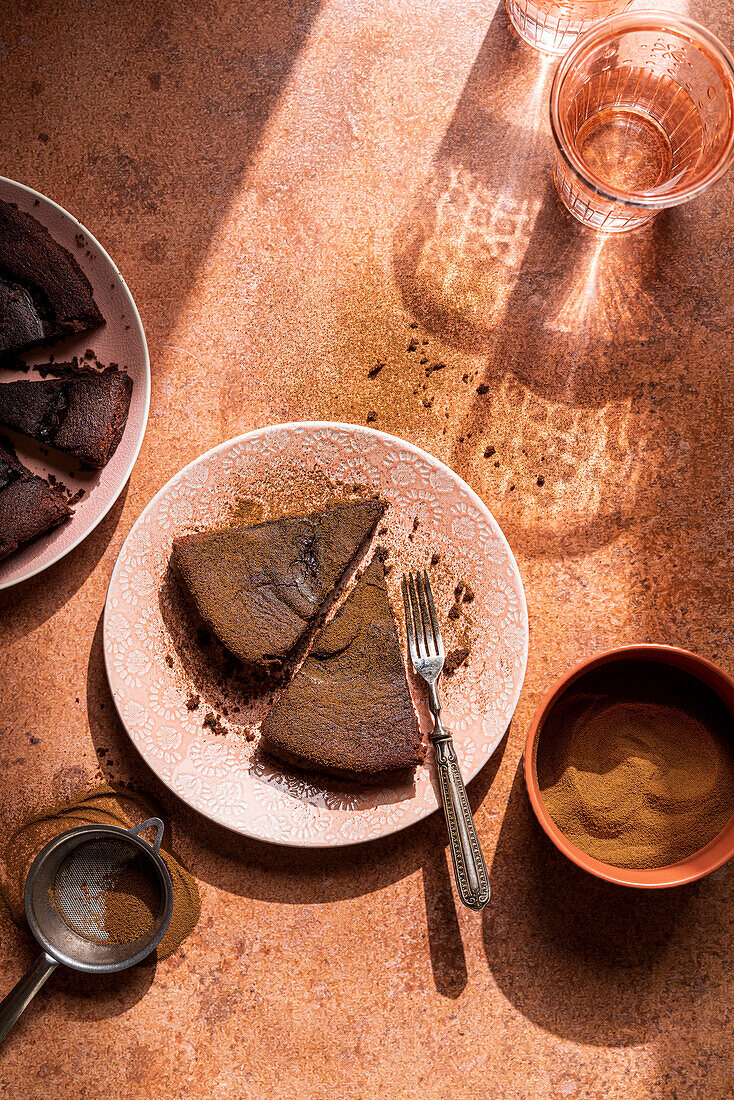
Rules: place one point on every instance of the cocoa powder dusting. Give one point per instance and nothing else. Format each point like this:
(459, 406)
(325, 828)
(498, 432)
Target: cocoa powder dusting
(118, 905)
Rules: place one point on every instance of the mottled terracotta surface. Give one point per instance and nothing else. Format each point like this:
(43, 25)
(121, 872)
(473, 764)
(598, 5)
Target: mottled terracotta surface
(286, 187)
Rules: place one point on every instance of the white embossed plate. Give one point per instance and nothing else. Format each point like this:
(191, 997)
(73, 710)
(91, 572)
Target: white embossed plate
(120, 340)
(154, 664)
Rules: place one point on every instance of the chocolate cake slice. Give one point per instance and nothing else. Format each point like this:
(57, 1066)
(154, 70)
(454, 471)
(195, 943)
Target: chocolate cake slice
(20, 323)
(83, 414)
(28, 505)
(261, 589)
(348, 711)
(44, 294)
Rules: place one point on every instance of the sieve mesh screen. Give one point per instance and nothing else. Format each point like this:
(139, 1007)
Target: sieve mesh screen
(107, 892)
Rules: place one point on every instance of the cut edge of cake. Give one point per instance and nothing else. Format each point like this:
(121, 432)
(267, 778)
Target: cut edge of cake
(82, 413)
(57, 295)
(29, 507)
(279, 666)
(374, 766)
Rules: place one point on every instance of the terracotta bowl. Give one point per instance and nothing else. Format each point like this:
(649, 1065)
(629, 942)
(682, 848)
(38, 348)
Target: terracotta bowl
(703, 862)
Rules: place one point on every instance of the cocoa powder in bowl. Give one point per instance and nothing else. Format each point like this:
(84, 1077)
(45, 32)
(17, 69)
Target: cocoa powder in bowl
(635, 764)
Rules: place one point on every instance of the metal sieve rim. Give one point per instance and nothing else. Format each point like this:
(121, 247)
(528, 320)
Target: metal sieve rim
(70, 840)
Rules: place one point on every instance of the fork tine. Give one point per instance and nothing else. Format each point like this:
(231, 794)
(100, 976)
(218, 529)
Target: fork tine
(409, 621)
(417, 620)
(427, 624)
(432, 611)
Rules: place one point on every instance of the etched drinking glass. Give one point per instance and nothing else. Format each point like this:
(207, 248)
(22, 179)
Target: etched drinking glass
(642, 112)
(554, 25)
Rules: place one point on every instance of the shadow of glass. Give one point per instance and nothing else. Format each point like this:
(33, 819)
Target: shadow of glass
(576, 333)
(490, 260)
(35, 601)
(586, 960)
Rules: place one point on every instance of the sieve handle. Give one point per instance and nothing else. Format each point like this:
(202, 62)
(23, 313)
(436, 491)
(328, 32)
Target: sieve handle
(19, 998)
(151, 823)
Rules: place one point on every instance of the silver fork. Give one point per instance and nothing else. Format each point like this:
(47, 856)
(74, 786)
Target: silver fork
(427, 655)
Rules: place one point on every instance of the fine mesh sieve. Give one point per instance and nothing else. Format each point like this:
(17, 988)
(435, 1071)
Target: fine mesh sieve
(98, 899)
(105, 891)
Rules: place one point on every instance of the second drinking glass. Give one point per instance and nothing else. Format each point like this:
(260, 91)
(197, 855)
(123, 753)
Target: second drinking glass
(554, 25)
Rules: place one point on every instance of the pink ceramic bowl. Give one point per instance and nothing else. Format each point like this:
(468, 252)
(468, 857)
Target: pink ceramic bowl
(701, 863)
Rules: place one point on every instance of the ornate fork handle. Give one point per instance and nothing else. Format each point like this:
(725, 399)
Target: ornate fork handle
(470, 869)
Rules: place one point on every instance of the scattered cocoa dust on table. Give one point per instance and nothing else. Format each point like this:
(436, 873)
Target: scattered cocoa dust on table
(104, 805)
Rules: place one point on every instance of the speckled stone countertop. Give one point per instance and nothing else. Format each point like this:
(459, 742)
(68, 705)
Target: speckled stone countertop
(286, 187)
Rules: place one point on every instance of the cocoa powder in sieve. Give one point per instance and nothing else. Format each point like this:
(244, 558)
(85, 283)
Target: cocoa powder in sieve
(104, 805)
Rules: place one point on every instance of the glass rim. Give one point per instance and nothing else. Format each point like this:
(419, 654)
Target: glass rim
(649, 19)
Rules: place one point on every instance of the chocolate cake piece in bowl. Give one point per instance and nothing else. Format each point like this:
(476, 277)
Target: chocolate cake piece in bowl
(262, 589)
(28, 505)
(348, 711)
(44, 294)
(83, 414)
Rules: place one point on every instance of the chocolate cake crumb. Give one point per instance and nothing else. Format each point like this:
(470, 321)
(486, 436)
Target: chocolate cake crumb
(454, 660)
(213, 723)
(169, 660)
(434, 367)
(458, 591)
(465, 378)
(412, 346)
(192, 703)
(468, 595)
(541, 481)
(424, 359)
(414, 324)
(375, 370)
(89, 354)
(371, 417)
(455, 612)
(435, 559)
(489, 452)
(484, 388)
(496, 463)
(427, 402)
